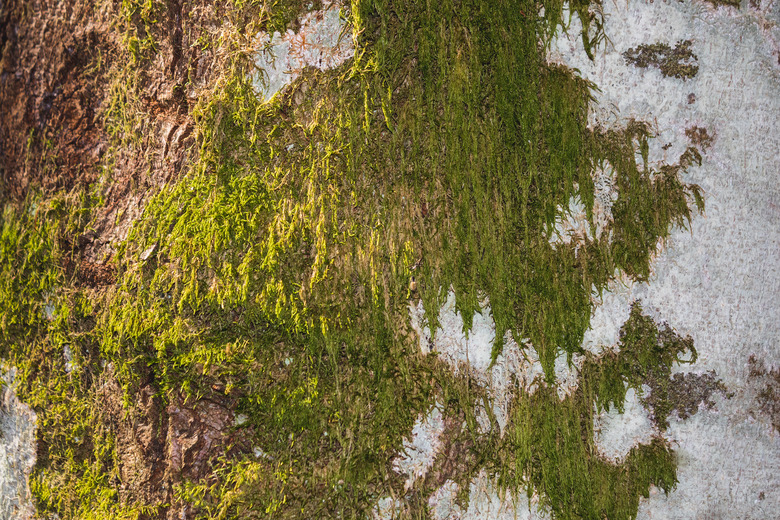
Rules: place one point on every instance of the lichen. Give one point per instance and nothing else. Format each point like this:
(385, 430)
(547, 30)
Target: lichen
(768, 395)
(699, 136)
(678, 62)
(728, 3)
(689, 391)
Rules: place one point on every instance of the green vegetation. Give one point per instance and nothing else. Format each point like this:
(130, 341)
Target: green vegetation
(276, 274)
(646, 357)
(139, 17)
(549, 446)
(42, 318)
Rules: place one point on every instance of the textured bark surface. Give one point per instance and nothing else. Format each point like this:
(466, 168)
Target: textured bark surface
(108, 102)
(60, 61)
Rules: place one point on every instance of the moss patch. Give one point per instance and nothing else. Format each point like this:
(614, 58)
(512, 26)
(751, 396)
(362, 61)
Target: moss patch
(651, 352)
(549, 445)
(43, 317)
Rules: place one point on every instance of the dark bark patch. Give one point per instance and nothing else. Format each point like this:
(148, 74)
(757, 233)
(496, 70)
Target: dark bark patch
(678, 62)
(768, 396)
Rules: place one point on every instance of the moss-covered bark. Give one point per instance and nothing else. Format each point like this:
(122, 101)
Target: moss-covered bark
(274, 277)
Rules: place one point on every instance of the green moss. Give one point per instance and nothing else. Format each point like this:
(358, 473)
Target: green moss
(491, 155)
(27, 251)
(42, 318)
(138, 18)
(549, 447)
(550, 450)
(646, 357)
(447, 147)
(277, 271)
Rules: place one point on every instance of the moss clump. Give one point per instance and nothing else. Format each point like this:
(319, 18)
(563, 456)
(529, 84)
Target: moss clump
(550, 450)
(312, 213)
(646, 357)
(678, 62)
(436, 114)
(549, 445)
